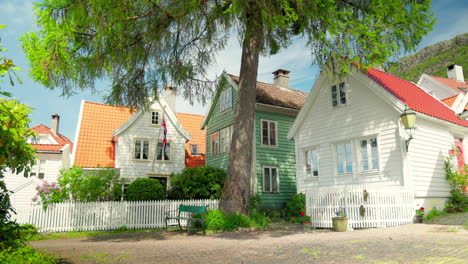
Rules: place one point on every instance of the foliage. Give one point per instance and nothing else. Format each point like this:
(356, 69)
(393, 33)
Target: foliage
(299, 219)
(25, 255)
(10, 235)
(456, 180)
(420, 211)
(255, 201)
(49, 193)
(341, 213)
(216, 220)
(296, 205)
(29, 232)
(433, 213)
(197, 183)
(144, 189)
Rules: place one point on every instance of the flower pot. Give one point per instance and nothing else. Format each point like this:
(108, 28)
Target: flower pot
(340, 224)
(307, 223)
(450, 210)
(418, 219)
(460, 209)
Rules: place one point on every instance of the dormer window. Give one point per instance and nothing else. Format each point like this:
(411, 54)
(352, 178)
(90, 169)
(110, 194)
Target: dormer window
(338, 94)
(35, 140)
(226, 100)
(155, 118)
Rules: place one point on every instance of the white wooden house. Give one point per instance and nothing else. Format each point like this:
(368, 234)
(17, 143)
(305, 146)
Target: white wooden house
(114, 136)
(53, 153)
(349, 132)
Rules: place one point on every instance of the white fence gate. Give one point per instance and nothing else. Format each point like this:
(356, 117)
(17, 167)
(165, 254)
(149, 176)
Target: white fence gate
(385, 206)
(103, 215)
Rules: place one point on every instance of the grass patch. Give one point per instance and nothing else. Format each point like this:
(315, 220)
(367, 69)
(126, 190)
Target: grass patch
(25, 255)
(359, 257)
(453, 229)
(78, 234)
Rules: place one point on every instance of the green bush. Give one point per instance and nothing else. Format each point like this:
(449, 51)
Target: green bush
(216, 220)
(10, 235)
(25, 255)
(233, 221)
(144, 189)
(29, 232)
(433, 213)
(296, 205)
(197, 183)
(259, 221)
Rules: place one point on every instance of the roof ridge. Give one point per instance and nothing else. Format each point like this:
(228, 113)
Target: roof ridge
(272, 84)
(106, 104)
(189, 114)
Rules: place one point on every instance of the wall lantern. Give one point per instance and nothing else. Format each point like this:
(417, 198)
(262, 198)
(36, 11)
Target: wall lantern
(408, 117)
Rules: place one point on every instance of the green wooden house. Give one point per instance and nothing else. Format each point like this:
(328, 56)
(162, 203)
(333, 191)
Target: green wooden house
(273, 170)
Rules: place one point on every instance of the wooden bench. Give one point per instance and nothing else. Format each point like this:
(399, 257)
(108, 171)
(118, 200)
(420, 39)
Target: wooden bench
(187, 212)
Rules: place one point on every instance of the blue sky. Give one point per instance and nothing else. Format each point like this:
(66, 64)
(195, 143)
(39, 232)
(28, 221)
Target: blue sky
(452, 17)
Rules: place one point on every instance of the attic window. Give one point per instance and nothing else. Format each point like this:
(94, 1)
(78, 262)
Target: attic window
(226, 100)
(155, 118)
(462, 89)
(194, 149)
(338, 94)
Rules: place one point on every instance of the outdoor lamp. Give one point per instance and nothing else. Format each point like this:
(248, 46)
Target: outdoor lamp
(408, 117)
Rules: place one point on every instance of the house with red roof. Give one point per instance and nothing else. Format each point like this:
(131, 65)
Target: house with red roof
(53, 154)
(349, 132)
(131, 140)
(273, 175)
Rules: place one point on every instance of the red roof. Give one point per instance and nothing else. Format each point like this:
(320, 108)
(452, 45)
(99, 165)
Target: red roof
(414, 97)
(61, 139)
(452, 83)
(94, 146)
(192, 123)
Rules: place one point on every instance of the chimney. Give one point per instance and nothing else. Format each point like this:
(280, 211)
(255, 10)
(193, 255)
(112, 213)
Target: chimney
(281, 78)
(455, 72)
(54, 123)
(170, 97)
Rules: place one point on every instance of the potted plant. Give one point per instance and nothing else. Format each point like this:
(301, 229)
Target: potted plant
(254, 202)
(419, 214)
(449, 207)
(340, 221)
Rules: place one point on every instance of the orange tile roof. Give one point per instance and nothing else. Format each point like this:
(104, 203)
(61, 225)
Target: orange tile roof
(278, 96)
(192, 124)
(61, 139)
(450, 100)
(452, 83)
(94, 146)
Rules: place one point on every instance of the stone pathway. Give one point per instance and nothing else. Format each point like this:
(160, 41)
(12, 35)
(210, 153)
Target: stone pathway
(415, 243)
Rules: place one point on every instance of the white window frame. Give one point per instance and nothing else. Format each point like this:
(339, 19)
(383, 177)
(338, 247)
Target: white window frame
(159, 118)
(312, 167)
(217, 143)
(345, 159)
(168, 148)
(338, 94)
(225, 136)
(370, 164)
(39, 168)
(195, 150)
(142, 140)
(225, 100)
(277, 179)
(269, 131)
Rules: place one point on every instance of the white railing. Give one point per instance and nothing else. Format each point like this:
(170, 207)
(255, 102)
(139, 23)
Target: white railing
(61, 217)
(385, 206)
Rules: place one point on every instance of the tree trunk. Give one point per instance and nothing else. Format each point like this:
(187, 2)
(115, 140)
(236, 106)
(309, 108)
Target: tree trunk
(235, 196)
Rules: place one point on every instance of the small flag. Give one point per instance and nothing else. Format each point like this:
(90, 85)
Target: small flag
(164, 142)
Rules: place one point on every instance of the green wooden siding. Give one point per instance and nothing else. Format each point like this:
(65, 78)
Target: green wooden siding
(219, 120)
(282, 156)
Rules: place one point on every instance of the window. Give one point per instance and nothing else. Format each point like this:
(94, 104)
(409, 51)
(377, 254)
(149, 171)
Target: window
(194, 149)
(162, 180)
(225, 135)
(35, 140)
(38, 169)
(344, 156)
(268, 133)
(154, 118)
(226, 99)
(311, 163)
(369, 154)
(338, 94)
(215, 144)
(166, 155)
(270, 180)
(141, 150)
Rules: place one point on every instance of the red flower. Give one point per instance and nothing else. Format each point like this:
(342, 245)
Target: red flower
(292, 217)
(422, 208)
(302, 213)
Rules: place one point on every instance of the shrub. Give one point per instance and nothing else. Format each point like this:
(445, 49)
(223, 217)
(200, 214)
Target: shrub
(259, 221)
(49, 193)
(296, 205)
(144, 189)
(433, 213)
(25, 255)
(29, 232)
(216, 220)
(197, 183)
(10, 235)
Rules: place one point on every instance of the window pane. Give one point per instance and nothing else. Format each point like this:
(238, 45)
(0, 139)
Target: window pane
(274, 180)
(214, 144)
(374, 153)
(154, 118)
(315, 162)
(342, 93)
(364, 158)
(159, 151)
(194, 149)
(334, 96)
(308, 162)
(137, 149)
(272, 134)
(145, 150)
(340, 157)
(167, 155)
(349, 158)
(266, 180)
(264, 132)
(41, 175)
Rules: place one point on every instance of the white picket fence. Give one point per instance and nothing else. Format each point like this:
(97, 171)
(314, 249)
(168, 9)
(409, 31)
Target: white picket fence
(61, 217)
(385, 206)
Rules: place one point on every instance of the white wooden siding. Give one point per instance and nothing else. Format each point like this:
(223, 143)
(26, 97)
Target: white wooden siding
(143, 129)
(365, 114)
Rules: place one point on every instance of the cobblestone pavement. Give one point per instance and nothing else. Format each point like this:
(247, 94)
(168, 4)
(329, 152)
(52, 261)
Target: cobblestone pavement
(415, 243)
